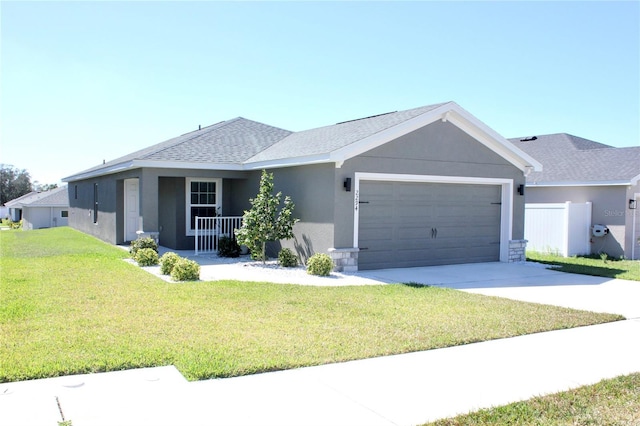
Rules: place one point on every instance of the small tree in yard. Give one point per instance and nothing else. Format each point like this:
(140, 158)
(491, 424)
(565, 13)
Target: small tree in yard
(262, 223)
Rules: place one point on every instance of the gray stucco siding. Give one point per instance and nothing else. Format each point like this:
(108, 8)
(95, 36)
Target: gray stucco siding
(609, 207)
(439, 149)
(109, 227)
(312, 190)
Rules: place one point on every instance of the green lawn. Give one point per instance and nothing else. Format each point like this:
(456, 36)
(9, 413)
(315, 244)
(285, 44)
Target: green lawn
(612, 268)
(609, 402)
(70, 304)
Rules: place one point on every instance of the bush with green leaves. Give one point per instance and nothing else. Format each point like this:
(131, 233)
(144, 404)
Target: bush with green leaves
(287, 259)
(228, 247)
(142, 243)
(146, 257)
(320, 264)
(167, 262)
(263, 223)
(185, 270)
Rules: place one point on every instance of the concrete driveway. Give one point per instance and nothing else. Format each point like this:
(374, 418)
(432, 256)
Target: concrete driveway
(530, 282)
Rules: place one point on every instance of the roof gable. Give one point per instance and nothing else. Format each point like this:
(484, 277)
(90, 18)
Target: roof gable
(346, 140)
(571, 160)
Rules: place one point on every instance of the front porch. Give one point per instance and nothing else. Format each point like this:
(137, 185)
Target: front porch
(209, 230)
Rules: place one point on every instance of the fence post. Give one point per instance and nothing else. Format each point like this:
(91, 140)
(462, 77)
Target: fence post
(197, 226)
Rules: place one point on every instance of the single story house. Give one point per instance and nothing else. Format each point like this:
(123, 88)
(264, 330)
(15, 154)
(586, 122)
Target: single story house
(426, 186)
(41, 209)
(578, 170)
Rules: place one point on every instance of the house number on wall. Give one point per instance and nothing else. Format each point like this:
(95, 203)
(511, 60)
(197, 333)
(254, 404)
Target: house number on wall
(357, 201)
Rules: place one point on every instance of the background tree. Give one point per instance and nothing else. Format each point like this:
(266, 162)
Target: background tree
(262, 223)
(14, 183)
(43, 187)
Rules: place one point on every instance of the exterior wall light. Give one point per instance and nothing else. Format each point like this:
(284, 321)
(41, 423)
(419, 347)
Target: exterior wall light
(632, 204)
(347, 184)
(521, 189)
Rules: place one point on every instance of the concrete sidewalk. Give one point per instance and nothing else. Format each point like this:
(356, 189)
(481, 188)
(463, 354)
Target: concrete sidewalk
(405, 389)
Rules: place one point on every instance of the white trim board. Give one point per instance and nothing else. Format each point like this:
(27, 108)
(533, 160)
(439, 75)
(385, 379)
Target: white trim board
(506, 211)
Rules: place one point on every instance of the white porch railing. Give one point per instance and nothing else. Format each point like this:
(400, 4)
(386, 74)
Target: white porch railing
(210, 229)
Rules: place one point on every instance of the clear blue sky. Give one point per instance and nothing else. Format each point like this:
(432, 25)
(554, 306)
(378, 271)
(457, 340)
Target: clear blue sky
(87, 81)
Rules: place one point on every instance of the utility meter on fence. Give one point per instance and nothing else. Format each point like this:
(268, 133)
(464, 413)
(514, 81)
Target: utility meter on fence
(599, 230)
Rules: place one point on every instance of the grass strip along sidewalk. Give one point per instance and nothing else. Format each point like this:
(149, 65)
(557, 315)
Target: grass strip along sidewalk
(71, 305)
(609, 402)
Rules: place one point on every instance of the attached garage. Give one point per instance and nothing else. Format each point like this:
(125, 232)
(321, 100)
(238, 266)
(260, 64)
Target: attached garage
(408, 221)
(405, 224)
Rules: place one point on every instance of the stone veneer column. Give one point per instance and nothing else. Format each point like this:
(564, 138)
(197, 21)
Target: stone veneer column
(345, 259)
(517, 250)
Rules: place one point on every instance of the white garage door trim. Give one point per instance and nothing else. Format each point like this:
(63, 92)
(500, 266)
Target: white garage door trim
(506, 212)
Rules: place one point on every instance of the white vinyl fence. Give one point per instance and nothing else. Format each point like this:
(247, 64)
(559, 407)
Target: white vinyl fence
(562, 228)
(210, 229)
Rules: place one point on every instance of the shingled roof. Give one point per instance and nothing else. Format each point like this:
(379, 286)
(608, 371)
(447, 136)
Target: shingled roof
(242, 144)
(58, 197)
(571, 160)
(330, 138)
(228, 142)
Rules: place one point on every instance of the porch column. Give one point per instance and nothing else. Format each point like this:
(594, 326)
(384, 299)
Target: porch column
(149, 201)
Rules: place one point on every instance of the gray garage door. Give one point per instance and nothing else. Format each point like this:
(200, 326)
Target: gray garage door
(422, 224)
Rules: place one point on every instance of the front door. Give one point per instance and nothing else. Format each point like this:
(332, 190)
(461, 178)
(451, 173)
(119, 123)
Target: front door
(131, 209)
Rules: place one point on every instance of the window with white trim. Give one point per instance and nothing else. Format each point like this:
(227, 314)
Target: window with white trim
(204, 199)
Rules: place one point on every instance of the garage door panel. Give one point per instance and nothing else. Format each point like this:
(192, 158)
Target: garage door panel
(420, 224)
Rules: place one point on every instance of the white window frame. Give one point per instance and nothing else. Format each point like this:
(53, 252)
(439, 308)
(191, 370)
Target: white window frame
(188, 205)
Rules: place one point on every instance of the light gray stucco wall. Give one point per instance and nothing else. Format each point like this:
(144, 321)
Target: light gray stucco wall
(632, 237)
(110, 226)
(609, 208)
(312, 190)
(438, 149)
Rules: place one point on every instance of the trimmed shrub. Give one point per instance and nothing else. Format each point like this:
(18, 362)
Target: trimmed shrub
(228, 247)
(146, 257)
(167, 262)
(287, 259)
(142, 243)
(185, 270)
(320, 264)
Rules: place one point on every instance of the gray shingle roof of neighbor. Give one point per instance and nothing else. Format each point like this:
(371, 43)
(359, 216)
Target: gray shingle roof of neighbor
(570, 159)
(54, 197)
(330, 138)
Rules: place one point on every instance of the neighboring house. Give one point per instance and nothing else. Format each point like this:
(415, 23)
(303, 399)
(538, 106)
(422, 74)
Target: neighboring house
(41, 209)
(426, 186)
(15, 208)
(578, 170)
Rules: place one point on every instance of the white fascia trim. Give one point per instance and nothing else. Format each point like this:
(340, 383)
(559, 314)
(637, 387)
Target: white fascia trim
(134, 164)
(635, 180)
(475, 128)
(460, 118)
(99, 172)
(187, 165)
(588, 183)
(387, 135)
(506, 211)
(288, 162)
